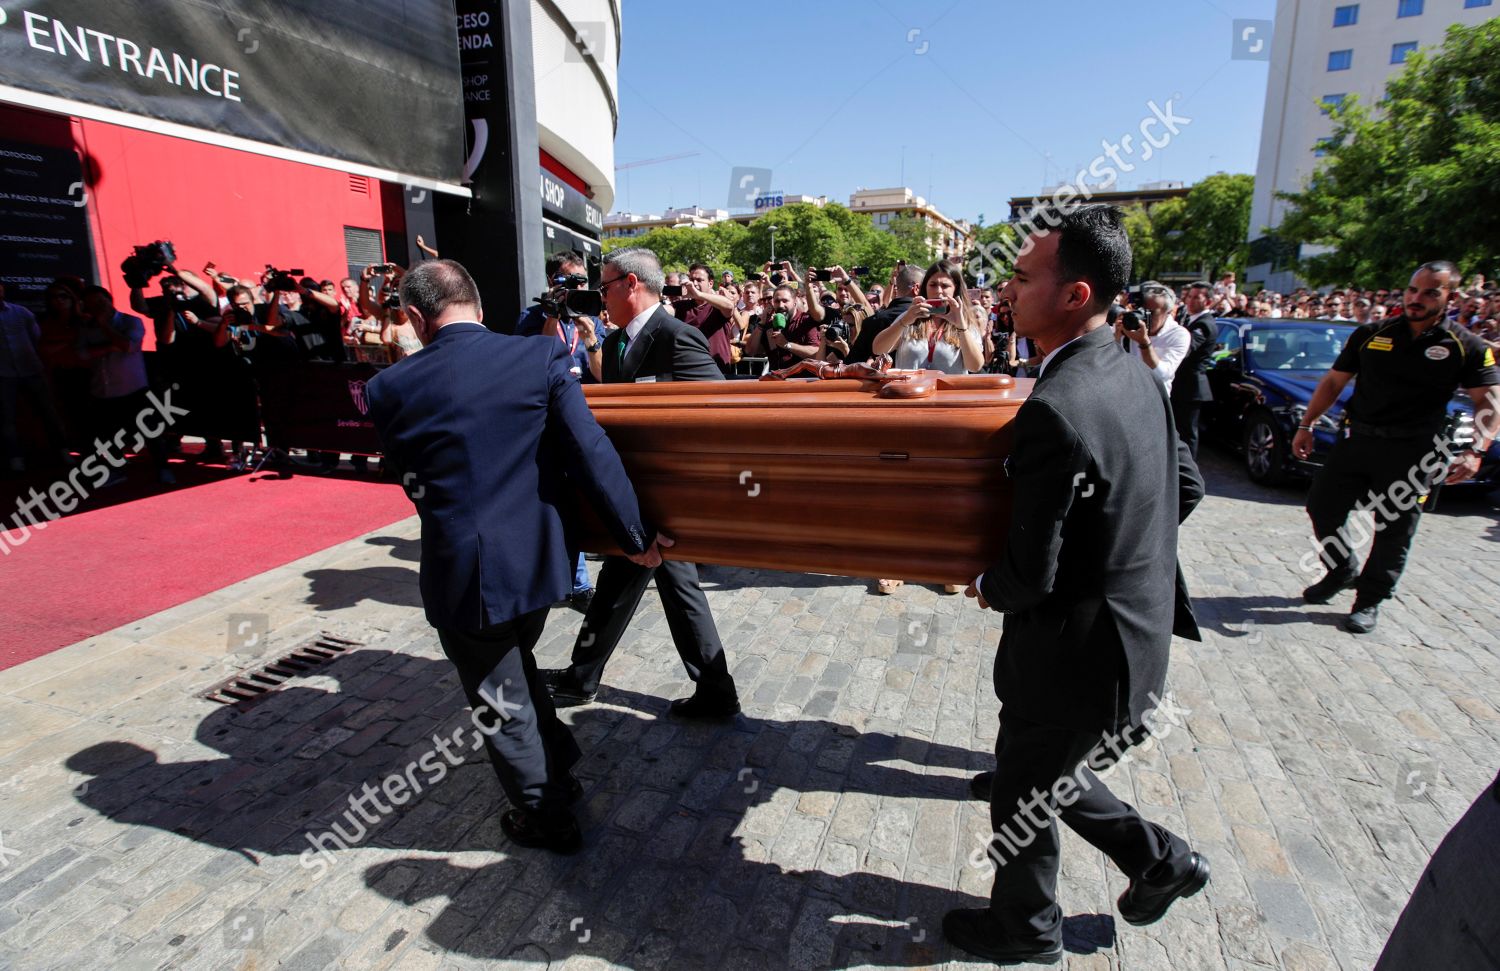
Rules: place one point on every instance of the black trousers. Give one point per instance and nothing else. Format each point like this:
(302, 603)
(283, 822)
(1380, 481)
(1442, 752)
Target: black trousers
(532, 751)
(1030, 759)
(1186, 414)
(1358, 467)
(616, 597)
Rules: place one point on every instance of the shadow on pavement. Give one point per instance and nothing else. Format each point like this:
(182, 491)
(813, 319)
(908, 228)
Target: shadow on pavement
(668, 863)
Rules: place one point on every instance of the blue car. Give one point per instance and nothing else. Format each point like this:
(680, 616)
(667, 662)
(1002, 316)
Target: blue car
(1263, 376)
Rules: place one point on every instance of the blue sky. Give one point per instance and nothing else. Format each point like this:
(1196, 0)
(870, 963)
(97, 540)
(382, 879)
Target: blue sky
(1003, 97)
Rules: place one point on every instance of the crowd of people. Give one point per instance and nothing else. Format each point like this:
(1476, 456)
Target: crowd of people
(784, 314)
(80, 364)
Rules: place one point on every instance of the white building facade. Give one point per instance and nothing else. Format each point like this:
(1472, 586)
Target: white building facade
(1324, 51)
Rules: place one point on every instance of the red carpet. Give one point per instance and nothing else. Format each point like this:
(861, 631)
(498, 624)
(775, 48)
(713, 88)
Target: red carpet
(107, 565)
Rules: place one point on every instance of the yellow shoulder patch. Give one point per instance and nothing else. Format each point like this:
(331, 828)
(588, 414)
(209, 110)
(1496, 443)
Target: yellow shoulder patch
(1489, 357)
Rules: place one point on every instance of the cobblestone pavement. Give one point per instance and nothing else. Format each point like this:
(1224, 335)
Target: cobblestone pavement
(143, 826)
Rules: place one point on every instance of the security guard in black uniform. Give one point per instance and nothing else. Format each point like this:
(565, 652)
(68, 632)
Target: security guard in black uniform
(1394, 447)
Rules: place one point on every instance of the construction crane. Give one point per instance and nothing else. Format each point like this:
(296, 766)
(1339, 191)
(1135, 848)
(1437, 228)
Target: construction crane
(648, 161)
(654, 161)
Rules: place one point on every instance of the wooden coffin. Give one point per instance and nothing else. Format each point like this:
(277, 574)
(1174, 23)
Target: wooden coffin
(835, 476)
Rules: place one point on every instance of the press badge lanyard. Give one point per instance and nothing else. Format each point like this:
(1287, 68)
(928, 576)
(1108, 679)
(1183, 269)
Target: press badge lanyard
(573, 347)
(932, 340)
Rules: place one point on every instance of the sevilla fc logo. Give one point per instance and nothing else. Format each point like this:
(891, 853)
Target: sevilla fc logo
(357, 392)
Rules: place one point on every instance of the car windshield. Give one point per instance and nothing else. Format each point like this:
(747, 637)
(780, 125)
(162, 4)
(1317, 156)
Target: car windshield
(1312, 348)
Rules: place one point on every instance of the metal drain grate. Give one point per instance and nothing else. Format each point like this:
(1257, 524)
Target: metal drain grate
(248, 687)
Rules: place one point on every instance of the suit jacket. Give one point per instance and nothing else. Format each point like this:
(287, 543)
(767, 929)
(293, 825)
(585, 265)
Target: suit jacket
(487, 430)
(666, 349)
(863, 347)
(1089, 576)
(1191, 383)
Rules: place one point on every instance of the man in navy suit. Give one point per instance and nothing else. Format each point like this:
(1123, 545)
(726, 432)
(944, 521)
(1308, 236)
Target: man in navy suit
(1101, 482)
(490, 434)
(650, 345)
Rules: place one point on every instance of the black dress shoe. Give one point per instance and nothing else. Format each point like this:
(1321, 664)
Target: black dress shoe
(580, 601)
(1362, 618)
(975, 932)
(979, 786)
(565, 692)
(706, 708)
(1144, 903)
(1328, 587)
(560, 835)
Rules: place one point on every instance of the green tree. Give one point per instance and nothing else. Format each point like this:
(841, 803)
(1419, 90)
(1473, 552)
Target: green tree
(805, 234)
(917, 239)
(1216, 221)
(1414, 181)
(1157, 239)
(993, 253)
(715, 245)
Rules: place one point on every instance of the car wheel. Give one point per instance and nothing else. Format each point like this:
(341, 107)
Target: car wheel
(1265, 450)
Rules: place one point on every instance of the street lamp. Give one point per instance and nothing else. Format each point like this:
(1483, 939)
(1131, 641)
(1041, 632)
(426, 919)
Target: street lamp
(773, 245)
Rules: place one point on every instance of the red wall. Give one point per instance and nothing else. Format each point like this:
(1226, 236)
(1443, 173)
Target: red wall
(238, 209)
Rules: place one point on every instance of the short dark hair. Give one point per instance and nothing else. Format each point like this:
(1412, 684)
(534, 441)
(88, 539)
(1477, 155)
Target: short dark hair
(1092, 246)
(236, 290)
(1198, 285)
(701, 266)
(436, 285)
(98, 291)
(908, 276)
(557, 261)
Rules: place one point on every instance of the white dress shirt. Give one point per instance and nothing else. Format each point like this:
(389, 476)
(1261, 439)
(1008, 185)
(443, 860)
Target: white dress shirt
(633, 329)
(1172, 343)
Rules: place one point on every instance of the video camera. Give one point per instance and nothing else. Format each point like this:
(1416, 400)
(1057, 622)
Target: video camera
(559, 302)
(282, 281)
(146, 262)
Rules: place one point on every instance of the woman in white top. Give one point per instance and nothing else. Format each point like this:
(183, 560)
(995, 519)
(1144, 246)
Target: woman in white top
(938, 331)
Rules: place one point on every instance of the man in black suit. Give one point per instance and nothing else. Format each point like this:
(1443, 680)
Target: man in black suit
(1101, 483)
(488, 431)
(650, 345)
(1190, 388)
(905, 283)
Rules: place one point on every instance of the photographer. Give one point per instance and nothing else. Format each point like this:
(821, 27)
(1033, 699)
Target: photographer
(550, 317)
(702, 307)
(565, 271)
(190, 333)
(1151, 335)
(936, 331)
(288, 316)
(1003, 359)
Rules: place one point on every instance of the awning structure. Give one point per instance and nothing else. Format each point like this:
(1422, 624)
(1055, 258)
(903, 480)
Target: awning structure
(338, 86)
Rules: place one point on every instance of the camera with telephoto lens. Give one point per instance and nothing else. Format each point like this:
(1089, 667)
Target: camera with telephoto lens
(835, 330)
(147, 261)
(282, 281)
